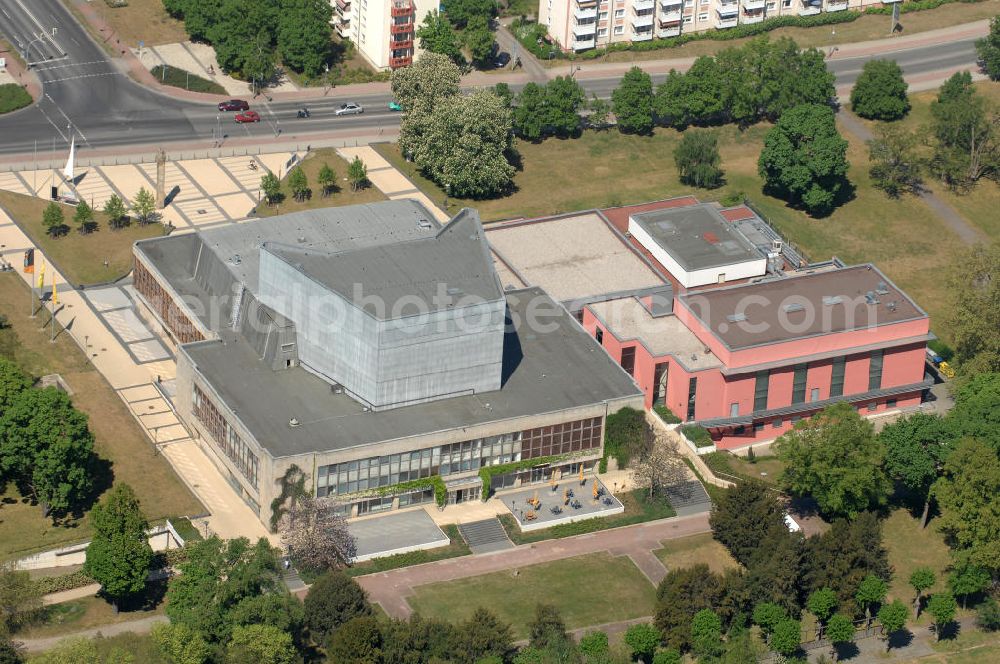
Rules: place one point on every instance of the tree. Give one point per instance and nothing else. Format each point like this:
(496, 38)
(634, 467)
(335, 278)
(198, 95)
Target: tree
(643, 640)
(767, 615)
(744, 515)
(594, 645)
(706, 633)
(880, 91)
(633, 102)
(216, 579)
(331, 601)
(967, 129)
(921, 580)
(479, 39)
(180, 644)
(271, 186)
(417, 640)
(966, 579)
(437, 36)
(10, 652)
(262, 644)
(915, 449)
(465, 144)
(821, 603)
(774, 570)
(46, 447)
(564, 98)
(942, 608)
(80, 650)
(600, 111)
(12, 383)
(299, 184)
(892, 617)
(804, 159)
(114, 208)
(682, 593)
(840, 629)
(357, 174)
(119, 554)
(53, 220)
(317, 536)
(482, 635)
(667, 656)
(694, 97)
(835, 458)
(462, 12)
(431, 79)
(968, 494)
(974, 291)
(358, 641)
(660, 467)
(20, 599)
(144, 206)
(871, 592)
(547, 627)
(304, 35)
(844, 555)
(987, 615)
(786, 637)
(83, 217)
(697, 159)
(529, 114)
(327, 179)
(503, 91)
(976, 413)
(895, 168)
(988, 50)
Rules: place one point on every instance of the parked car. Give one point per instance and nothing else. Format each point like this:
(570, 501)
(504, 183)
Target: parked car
(501, 60)
(394, 106)
(350, 108)
(234, 105)
(247, 116)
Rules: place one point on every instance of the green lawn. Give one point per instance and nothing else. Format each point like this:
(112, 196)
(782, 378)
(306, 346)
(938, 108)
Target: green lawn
(588, 590)
(80, 257)
(13, 97)
(766, 468)
(695, 549)
(341, 196)
(23, 529)
(185, 80)
(911, 547)
(81, 614)
(638, 509)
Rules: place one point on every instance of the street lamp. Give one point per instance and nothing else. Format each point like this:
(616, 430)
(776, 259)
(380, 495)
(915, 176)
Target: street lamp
(38, 37)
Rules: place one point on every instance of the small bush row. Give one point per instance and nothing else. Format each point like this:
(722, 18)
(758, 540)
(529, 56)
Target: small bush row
(915, 6)
(697, 435)
(57, 584)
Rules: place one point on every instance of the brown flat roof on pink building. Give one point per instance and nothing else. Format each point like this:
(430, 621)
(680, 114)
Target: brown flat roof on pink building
(796, 307)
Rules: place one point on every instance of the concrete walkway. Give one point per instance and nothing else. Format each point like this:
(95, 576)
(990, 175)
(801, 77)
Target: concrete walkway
(389, 180)
(391, 588)
(946, 213)
(139, 626)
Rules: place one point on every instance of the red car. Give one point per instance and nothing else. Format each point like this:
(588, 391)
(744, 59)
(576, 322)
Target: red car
(234, 105)
(247, 116)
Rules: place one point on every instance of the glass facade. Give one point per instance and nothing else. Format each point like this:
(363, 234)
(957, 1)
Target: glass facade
(760, 390)
(628, 360)
(374, 472)
(875, 371)
(799, 383)
(837, 377)
(225, 437)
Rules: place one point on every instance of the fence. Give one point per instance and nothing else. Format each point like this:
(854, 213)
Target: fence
(794, 255)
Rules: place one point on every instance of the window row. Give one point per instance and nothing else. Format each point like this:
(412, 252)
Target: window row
(225, 437)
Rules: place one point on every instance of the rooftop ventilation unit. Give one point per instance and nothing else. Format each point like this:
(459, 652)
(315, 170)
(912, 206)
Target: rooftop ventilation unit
(293, 423)
(881, 288)
(795, 306)
(423, 223)
(776, 245)
(891, 306)
(235, 259)
(736, 318)
(870, 298)
(830, 300)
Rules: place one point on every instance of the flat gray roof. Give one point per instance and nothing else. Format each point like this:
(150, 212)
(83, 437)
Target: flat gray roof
(697, 236)
(455, 263)
(798, 306)
(395, 532)
(544, 370)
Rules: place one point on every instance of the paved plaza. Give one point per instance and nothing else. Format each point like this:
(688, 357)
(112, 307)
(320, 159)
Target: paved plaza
(567, 501)
(399, 532)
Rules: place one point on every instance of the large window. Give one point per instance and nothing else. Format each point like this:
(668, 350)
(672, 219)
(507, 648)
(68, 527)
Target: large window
(660, 375)
(692, 394)
(225, 437)
(760, 390)
(837, 377)
(374, 472)
(799, 383)
(628, 360)
(875, 371)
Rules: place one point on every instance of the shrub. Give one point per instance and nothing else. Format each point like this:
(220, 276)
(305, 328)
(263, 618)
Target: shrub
(179, 78)
(666, 414)
(988, 615)
(698, 435)
(55, 584)
(625, 434)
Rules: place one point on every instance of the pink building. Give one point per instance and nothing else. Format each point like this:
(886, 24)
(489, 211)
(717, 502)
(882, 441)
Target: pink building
(740, 339)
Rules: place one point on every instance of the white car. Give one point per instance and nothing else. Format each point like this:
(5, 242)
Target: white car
(350, 108)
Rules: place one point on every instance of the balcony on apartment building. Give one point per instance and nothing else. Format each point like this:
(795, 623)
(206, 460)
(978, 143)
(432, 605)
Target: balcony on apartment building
(753, 5)
(342, 7)
(752, 17)
(401, 28)
(836, 5)
(583, 43)
(668, 29)
(810, 7)
(727, 14)
(405, 61)
(401, 8)
(401, 44)
(582, 14)
(584, 33)
(643, 5)
(643, 20)
(642, 34)
(670, 10)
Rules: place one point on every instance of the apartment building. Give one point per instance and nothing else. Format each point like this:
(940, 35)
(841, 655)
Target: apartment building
(578, 25)
(382, 30)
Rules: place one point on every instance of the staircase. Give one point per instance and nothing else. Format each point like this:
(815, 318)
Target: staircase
(292, 580)
(688, 498)
(485, 536)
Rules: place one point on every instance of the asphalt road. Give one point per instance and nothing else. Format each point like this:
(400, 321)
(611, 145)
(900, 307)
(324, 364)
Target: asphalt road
(86, 94)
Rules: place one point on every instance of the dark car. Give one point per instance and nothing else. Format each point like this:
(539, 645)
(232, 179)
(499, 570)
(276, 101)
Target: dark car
(501, 60)
(234, 105)
(247, 116)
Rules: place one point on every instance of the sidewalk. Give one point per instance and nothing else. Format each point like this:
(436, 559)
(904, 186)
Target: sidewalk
(140, 626)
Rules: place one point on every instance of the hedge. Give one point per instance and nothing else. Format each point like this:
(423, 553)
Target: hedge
(179, 78)
(915, 6)
(57, 584)
(13, 97)
(666, 414)
(435, 482)
(697, 435)
(624, 432)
